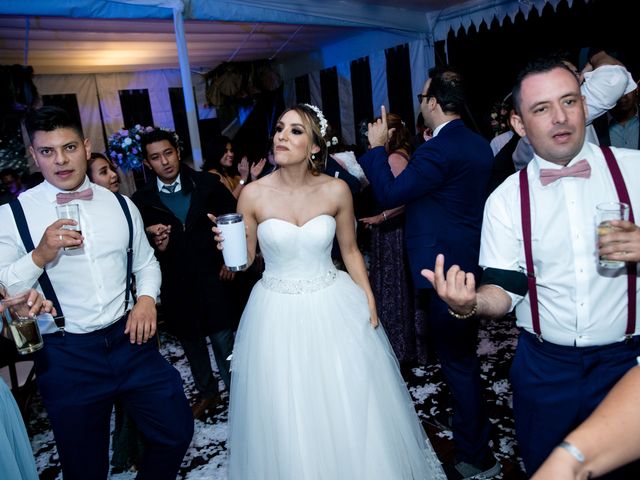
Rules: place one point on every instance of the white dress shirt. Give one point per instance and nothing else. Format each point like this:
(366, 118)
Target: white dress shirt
(176, 182)
(436, 130)
(603, 87)
(90, 281)
(579, 304)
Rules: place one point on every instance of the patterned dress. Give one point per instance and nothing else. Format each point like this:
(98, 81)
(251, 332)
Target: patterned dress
(393, 290)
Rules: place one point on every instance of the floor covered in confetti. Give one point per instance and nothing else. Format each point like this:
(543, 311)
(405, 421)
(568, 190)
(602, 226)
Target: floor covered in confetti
(207, 456)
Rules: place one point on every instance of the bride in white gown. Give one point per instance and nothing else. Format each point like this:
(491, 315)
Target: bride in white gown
(316, 392)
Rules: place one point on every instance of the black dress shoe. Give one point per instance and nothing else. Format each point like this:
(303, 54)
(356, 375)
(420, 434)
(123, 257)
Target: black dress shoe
(201, 406)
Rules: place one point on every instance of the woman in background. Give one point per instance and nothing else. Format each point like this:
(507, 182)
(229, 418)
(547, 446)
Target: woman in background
(388, 273)
(102, 172)
(220, 162)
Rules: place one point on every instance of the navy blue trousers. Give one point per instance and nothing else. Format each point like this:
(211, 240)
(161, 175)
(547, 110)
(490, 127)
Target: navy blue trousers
(456, 342)
(80, 376)
(555, 388)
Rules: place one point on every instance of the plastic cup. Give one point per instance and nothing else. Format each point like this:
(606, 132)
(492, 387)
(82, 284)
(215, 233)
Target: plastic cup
(235, 241)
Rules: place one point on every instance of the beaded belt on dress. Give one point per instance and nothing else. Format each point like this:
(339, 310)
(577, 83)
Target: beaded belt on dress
(307, 285)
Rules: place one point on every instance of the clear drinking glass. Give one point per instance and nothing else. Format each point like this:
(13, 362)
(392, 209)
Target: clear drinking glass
(70, 211)
(23, 326)
(605, 212)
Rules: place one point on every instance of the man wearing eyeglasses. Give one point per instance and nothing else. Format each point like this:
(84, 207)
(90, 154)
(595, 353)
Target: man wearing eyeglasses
(443, 188)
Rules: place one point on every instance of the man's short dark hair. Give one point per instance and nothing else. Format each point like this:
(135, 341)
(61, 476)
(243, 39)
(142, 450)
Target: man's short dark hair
(447, 88)
(540, 65)
(157, 135)
(48, 119)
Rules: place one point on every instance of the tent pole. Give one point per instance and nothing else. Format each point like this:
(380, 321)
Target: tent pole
(27, 25)
(187, 88)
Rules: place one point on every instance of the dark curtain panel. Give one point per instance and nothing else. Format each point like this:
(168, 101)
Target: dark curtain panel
(399, 84)
(254, 137)
(362, 97)
(440, 49)
(362, 90)
(136, 108)
(331, 98)
(67, 101)
(176, 97)
(303, 91)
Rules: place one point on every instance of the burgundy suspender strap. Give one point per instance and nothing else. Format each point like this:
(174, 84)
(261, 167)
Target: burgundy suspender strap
(623, 196)
(525, 214)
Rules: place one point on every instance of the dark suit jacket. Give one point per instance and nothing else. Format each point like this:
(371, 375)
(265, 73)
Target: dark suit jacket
(333, 167)
(443, 188)
(194, 300)
(503, 165)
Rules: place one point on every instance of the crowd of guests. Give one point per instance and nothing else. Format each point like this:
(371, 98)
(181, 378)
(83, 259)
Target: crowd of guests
(450, 236)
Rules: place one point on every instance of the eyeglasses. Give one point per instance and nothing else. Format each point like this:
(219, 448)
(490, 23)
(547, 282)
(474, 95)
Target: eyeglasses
(421, 96)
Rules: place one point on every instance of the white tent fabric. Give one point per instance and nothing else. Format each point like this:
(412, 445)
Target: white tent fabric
(476, 13)
(88, 88)
(404, 15)
(378, 65)
(422, 57)
(419, 23)
(84, 87)
(315, 89)
(345, 94)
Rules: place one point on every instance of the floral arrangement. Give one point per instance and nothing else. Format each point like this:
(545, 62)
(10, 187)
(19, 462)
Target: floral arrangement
(124, 147)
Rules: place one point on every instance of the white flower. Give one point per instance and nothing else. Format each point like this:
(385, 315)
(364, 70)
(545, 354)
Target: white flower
(321, 120)
(127, 141)
(334, 140)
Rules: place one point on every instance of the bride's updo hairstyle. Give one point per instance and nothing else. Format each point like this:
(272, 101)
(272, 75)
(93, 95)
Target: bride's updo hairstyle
(313, 119)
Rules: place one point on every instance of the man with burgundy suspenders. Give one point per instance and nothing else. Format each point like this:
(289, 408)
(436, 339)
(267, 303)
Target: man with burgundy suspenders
(540, 255)
(97, 350)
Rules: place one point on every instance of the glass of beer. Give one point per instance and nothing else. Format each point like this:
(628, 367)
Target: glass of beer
(605, 212)
(23, 326)
(72, 212)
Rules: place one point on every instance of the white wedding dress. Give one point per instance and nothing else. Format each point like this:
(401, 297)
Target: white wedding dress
(316, 392)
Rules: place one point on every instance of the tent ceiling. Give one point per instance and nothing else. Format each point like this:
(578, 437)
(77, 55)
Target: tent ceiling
(70, 45)
(91, 36)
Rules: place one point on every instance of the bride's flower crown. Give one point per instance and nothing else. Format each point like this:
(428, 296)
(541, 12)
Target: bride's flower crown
(321, 120)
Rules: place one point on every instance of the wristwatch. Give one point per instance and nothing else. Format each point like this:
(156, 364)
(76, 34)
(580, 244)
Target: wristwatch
(242, 181)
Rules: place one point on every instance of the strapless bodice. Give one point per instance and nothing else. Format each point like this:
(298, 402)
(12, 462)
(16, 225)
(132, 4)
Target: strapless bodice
(297, 258)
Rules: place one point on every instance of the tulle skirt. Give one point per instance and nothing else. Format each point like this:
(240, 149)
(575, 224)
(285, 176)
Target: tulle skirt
(316, 393)
(16, 456)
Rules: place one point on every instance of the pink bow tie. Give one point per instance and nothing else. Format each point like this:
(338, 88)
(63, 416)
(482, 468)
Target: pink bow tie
(581, 169)
(86, 194)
